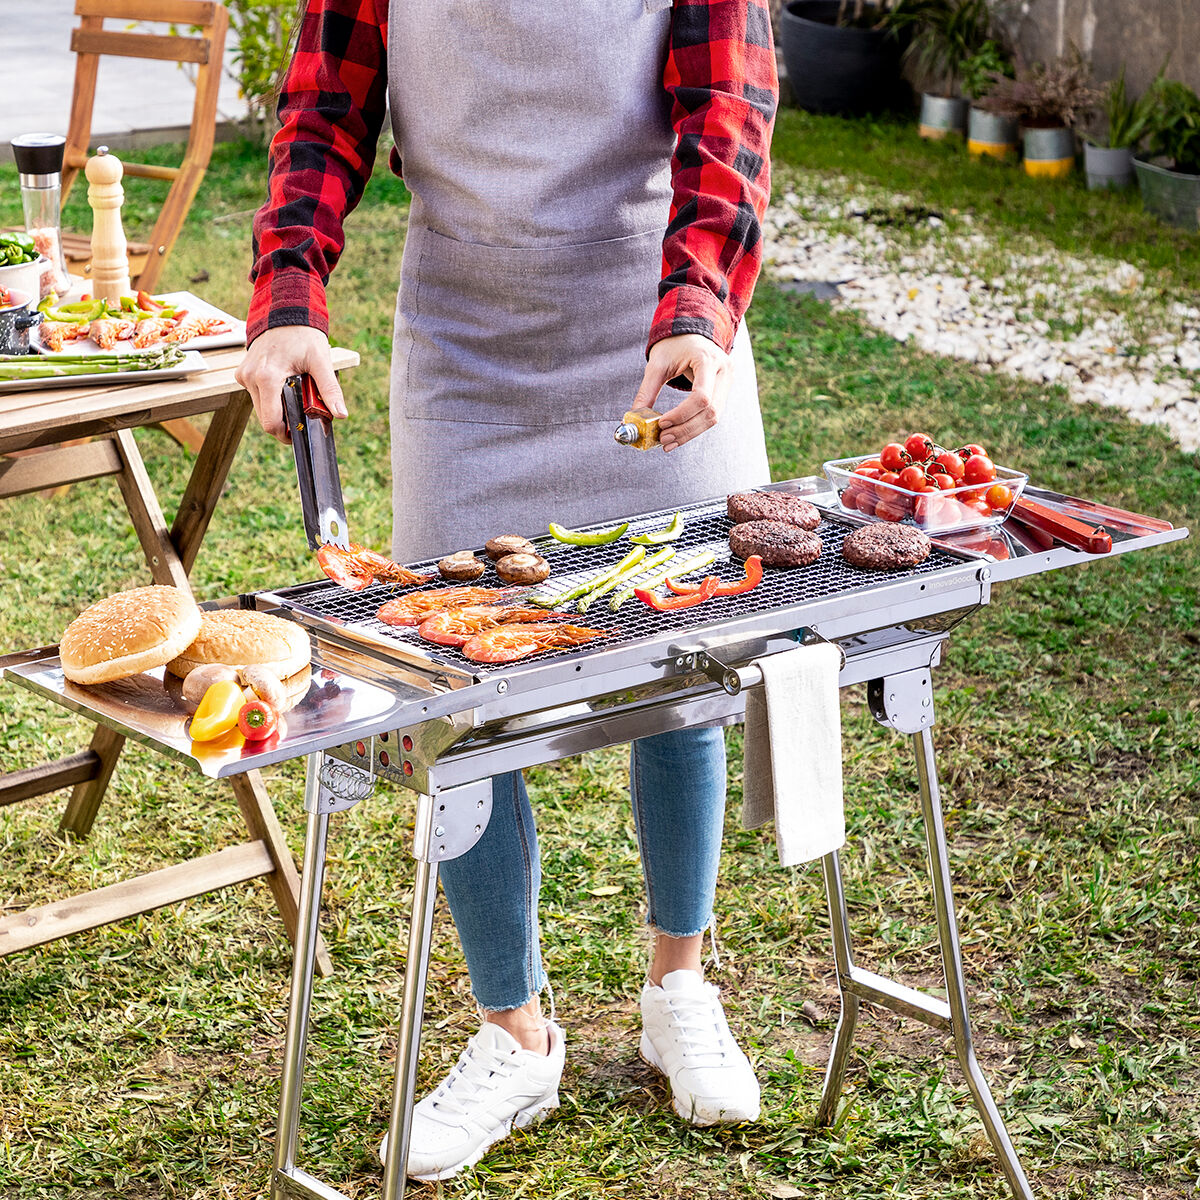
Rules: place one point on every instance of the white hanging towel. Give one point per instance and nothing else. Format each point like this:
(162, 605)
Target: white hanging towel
(793, 753)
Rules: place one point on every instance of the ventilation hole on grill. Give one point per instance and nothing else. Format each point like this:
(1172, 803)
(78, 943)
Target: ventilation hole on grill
(408, 768)
(383, 756)
(922, 587)
(407, 742)
(360, 749)
(383, 737)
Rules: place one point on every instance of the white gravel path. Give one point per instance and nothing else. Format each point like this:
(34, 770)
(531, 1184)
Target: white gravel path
(1007, 302)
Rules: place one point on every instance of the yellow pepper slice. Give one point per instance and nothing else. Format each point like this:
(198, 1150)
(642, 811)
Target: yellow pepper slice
(217, 711)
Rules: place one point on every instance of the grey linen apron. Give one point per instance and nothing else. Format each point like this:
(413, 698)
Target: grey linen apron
(536, 142)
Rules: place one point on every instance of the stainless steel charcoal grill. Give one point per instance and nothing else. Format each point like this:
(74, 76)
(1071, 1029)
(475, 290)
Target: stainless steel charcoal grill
(386, 705)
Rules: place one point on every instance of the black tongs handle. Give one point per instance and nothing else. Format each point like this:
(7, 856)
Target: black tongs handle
(309, 424)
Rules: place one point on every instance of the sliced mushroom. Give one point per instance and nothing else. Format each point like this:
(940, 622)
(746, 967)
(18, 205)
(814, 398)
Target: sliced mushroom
(509, 543)
(462, 566)
(266, 685)
(523, 568)
(200, 679)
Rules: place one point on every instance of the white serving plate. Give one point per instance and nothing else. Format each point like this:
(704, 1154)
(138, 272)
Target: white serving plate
(191, 364)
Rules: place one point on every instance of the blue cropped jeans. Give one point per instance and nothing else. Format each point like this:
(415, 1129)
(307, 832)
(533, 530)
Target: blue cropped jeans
(677, 787)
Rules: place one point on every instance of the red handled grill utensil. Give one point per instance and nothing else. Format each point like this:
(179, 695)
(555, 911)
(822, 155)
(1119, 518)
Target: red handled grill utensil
(1067, 530)
(310, 424)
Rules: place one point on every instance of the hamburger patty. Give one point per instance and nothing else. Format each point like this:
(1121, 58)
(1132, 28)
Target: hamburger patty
(884, 546)
(772, 506)
(776, 542)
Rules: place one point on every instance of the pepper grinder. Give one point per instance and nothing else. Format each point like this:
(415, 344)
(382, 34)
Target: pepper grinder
(39, 159)
(110, 259)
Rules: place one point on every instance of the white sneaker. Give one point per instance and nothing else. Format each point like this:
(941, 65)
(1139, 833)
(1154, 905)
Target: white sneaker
(495, 1087)
(685, 1036)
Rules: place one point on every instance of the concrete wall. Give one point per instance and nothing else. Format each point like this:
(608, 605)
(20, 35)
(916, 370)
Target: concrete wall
(1139, 33)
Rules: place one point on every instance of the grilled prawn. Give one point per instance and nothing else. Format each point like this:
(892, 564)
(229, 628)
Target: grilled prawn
(419, 606)
(356, 568)
(106, 332)
(454, 626)
(151, 330)
(507, 643)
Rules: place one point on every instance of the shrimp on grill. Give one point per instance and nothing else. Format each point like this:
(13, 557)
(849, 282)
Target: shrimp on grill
(454, 626)
(151, 330)
(419, 606)
(356, 568)
(507, 643)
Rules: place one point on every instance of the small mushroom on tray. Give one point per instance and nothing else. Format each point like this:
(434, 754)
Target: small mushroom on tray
(522, 568)
(509, 543)
(461, 567)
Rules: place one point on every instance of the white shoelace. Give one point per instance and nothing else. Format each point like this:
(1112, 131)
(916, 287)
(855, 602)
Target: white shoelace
(698, 1019)
(478, 1072)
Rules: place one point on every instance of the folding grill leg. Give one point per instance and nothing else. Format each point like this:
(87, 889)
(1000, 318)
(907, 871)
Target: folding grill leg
(843, 1035)
(943, 898)
(312, 876)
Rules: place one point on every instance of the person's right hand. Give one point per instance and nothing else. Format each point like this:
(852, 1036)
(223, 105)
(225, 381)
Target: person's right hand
(276, 354)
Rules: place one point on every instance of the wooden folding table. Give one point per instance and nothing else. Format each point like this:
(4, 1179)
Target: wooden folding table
(86, 433)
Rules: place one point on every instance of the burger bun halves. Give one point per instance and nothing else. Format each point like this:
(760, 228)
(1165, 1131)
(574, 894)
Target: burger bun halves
(238, 637)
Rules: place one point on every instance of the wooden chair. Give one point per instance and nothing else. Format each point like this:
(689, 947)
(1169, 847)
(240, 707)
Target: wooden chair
(203, 45)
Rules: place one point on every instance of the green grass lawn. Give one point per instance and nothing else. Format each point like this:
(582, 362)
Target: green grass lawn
(141, 1060)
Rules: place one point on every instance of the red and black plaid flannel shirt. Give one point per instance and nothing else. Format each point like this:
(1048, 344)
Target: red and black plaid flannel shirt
(720, 74)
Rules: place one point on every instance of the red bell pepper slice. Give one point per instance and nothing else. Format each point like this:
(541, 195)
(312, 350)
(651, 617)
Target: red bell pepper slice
(256, 720)
(147, 303)
(737, 587)
(671, 603)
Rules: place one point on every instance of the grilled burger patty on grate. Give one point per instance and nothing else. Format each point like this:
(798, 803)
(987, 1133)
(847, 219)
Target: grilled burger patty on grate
(885, 546)
(772, 506)
(776, 542)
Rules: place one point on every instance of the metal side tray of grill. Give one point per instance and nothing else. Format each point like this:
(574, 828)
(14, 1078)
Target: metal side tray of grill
(385, 704)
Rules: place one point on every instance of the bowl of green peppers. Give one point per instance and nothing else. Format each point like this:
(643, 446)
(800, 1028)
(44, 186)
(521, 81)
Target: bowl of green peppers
(21, 266)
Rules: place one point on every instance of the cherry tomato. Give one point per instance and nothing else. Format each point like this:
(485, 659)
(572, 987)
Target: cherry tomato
(949, 464)
(874, 463)
(979, 506)
(912, 479)
(894, 457)
(886, 510)
(979, 469)
(942, 481)
(868, 472)
(999, 497)
(890, 477)
(919, 447)
(965, 452)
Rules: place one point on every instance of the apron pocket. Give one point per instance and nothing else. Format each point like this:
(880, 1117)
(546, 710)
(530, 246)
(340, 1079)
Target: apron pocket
(514, 335)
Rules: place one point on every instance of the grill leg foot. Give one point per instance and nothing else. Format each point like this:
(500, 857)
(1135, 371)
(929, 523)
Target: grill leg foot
(411, 1009)
(843, 1035)
(943, 898)
(312, 877)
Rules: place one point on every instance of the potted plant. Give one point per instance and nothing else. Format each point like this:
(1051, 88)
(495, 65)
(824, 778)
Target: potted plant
(843, 56)
(1169, 179)
(987, 133)
(945, 33)
(1109, 163)
(1046, 100)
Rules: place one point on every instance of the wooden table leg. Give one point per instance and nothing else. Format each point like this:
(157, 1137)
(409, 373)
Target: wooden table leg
(85, 800)
(284, 881)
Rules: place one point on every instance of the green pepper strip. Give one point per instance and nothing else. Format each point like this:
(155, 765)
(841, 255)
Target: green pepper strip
(673, 529)
(574, 537)
(653, 578)
(549, 599)
(78, 313)
(625, 576)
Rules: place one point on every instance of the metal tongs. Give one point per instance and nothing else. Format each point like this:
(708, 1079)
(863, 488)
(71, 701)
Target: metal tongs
(310, 425)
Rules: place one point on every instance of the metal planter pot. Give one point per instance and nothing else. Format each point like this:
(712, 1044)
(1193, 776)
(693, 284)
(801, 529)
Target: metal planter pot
(1107, 166)
(838, 69)
(1170, 195)
(1049, 153)
(991, 135)
(942, 116)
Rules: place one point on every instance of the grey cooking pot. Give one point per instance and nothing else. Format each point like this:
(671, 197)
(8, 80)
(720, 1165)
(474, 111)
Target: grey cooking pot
(16, 320)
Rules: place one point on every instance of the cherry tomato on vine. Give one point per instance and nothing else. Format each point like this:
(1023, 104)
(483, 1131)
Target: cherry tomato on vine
(893, 457)
(979, 469)
(912, 479)
(942, 480)
(890, 477)
(965, 452)
(949, 464)
(873, 463)
(919, 447)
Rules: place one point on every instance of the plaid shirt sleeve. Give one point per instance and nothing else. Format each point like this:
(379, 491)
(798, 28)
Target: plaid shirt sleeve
(331, 108)
(721, 78)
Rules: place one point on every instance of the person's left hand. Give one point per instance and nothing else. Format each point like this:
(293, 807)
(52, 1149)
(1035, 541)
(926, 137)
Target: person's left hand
(706, 365)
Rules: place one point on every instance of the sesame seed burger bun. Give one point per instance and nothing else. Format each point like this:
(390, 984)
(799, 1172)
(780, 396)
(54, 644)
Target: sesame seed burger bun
(237, 637)
(127, 633)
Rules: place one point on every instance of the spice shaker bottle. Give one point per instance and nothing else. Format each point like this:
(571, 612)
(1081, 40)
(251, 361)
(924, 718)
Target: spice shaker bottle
(638, 428)
(39, 158)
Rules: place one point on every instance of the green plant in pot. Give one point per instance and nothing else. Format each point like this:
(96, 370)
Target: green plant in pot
(1047, 100)
(945, 34)
(1169, 178)
(987, 134)
(843, 56)
(1108, 160)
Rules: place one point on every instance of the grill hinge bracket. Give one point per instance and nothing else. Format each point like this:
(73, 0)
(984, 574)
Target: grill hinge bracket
(902, 702)
(450, 822)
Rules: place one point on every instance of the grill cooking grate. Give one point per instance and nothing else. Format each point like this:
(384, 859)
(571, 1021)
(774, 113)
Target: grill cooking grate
(706, 528)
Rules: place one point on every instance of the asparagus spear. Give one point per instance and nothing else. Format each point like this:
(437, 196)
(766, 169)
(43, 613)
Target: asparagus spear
(15, 367)
(638, 568)
(649, 579)
(547, 598)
